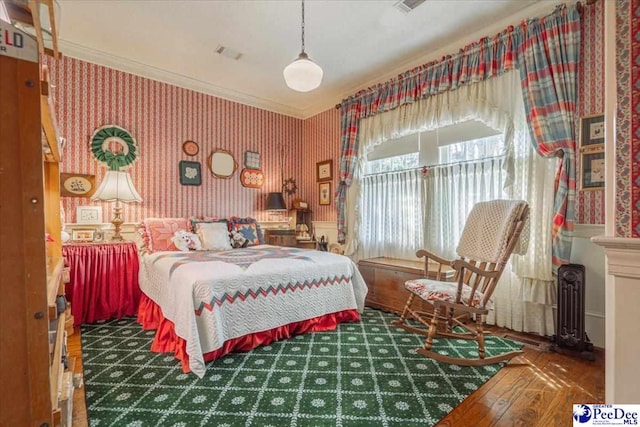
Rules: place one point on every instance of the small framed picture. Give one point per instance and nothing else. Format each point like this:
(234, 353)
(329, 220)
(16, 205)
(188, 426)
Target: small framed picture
(324, 171)
(77, 185)
(592, 170)
(190, 173)
(252, 160)
(591, 131)
(324, 193)
(89, 214)
(98, 236)
(190, 148)
(82, 235)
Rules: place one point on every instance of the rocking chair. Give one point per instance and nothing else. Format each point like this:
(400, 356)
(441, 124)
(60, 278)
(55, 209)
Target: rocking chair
(489, 237)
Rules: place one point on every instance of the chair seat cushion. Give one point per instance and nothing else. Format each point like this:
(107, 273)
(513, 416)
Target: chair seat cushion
(434, 290)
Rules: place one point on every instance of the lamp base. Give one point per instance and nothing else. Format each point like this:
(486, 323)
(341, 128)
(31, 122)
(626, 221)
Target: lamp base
(117, 222)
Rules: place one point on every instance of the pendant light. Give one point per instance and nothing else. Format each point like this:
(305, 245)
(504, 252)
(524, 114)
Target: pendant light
(303, 75)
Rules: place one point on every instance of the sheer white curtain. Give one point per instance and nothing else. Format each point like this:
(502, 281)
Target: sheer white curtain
(482, 101)
(525, 296)
(450, 193)
(392, 206)
(526, 292)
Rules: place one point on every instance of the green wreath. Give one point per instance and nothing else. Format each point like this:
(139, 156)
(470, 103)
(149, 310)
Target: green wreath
(110, 133)
(289, 186)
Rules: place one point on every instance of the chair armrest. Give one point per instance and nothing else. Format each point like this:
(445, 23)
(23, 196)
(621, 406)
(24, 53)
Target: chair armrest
(460, 265)
(430, 255)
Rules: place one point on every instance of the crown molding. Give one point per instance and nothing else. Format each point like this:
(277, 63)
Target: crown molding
(84, 53)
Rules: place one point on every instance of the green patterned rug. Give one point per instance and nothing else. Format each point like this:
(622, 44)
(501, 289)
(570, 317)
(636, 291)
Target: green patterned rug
(362, 374)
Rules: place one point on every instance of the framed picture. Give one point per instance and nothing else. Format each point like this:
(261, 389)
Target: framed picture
(190, 173)
(77, 185)
(592, 170)
(252, 160)
(591, 131)
(89, 215)
(82, 235)
(324, 171)
(190, 148)
(98, 236)
(251, 178)
(324, 189)
(222, 163)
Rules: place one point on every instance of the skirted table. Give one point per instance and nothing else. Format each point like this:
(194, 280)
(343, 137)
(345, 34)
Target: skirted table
(103, 280)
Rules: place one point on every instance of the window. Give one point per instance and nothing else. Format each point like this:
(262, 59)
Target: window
(474, 149)
(392, 164)
(401, 208)
(464, 141)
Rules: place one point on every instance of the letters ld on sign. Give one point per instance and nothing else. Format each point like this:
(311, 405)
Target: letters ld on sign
(16, 44)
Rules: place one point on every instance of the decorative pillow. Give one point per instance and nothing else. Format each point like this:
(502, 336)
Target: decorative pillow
(213, 235)
(186, 241)
(195, 220)
(160, 231)
(249, 228)
(142, 231)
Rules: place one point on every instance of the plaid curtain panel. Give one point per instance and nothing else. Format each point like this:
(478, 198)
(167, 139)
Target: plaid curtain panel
(549, 75)
(487, 58)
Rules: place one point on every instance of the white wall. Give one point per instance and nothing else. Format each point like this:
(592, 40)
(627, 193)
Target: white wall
(623, 339)
(328, 229)
(592, 257)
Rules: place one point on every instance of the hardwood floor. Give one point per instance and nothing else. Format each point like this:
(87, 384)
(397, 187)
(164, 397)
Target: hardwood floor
(74, 349)
(535, 389)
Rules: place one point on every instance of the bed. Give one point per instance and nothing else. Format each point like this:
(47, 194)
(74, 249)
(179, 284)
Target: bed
(204, 304)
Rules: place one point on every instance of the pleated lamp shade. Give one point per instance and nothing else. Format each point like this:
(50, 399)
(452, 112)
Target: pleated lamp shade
(117, 185)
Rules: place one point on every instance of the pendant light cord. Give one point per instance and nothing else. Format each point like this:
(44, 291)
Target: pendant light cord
(302, 26)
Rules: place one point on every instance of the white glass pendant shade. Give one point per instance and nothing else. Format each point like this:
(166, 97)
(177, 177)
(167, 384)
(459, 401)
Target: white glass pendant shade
(303, 75)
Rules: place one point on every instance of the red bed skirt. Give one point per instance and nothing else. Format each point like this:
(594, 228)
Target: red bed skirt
(166, 341)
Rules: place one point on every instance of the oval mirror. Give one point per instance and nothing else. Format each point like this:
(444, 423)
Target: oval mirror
(222, 164)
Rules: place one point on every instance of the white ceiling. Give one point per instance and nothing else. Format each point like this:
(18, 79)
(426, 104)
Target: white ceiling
(357, 43)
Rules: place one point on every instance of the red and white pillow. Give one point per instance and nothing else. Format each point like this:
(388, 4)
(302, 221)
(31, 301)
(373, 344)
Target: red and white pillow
(158, 232)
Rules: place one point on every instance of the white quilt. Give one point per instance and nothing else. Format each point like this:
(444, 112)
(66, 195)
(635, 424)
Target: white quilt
(212, 297)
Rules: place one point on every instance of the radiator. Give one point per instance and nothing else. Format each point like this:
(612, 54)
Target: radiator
(570, 328)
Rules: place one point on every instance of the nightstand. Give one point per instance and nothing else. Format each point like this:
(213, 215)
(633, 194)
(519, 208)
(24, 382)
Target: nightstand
(307, 244)
(103, 280)
(281, 237)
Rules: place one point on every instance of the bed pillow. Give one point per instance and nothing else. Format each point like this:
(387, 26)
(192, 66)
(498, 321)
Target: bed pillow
(213, 235)
(195, 220)
(249, 228)
(160, 231)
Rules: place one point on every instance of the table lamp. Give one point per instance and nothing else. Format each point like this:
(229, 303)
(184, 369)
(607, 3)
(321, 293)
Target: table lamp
(117, 186)
(275, 202)
(276, 205)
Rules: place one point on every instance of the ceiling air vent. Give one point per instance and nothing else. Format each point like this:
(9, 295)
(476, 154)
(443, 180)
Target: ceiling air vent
(407, 6)
(229, 53)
